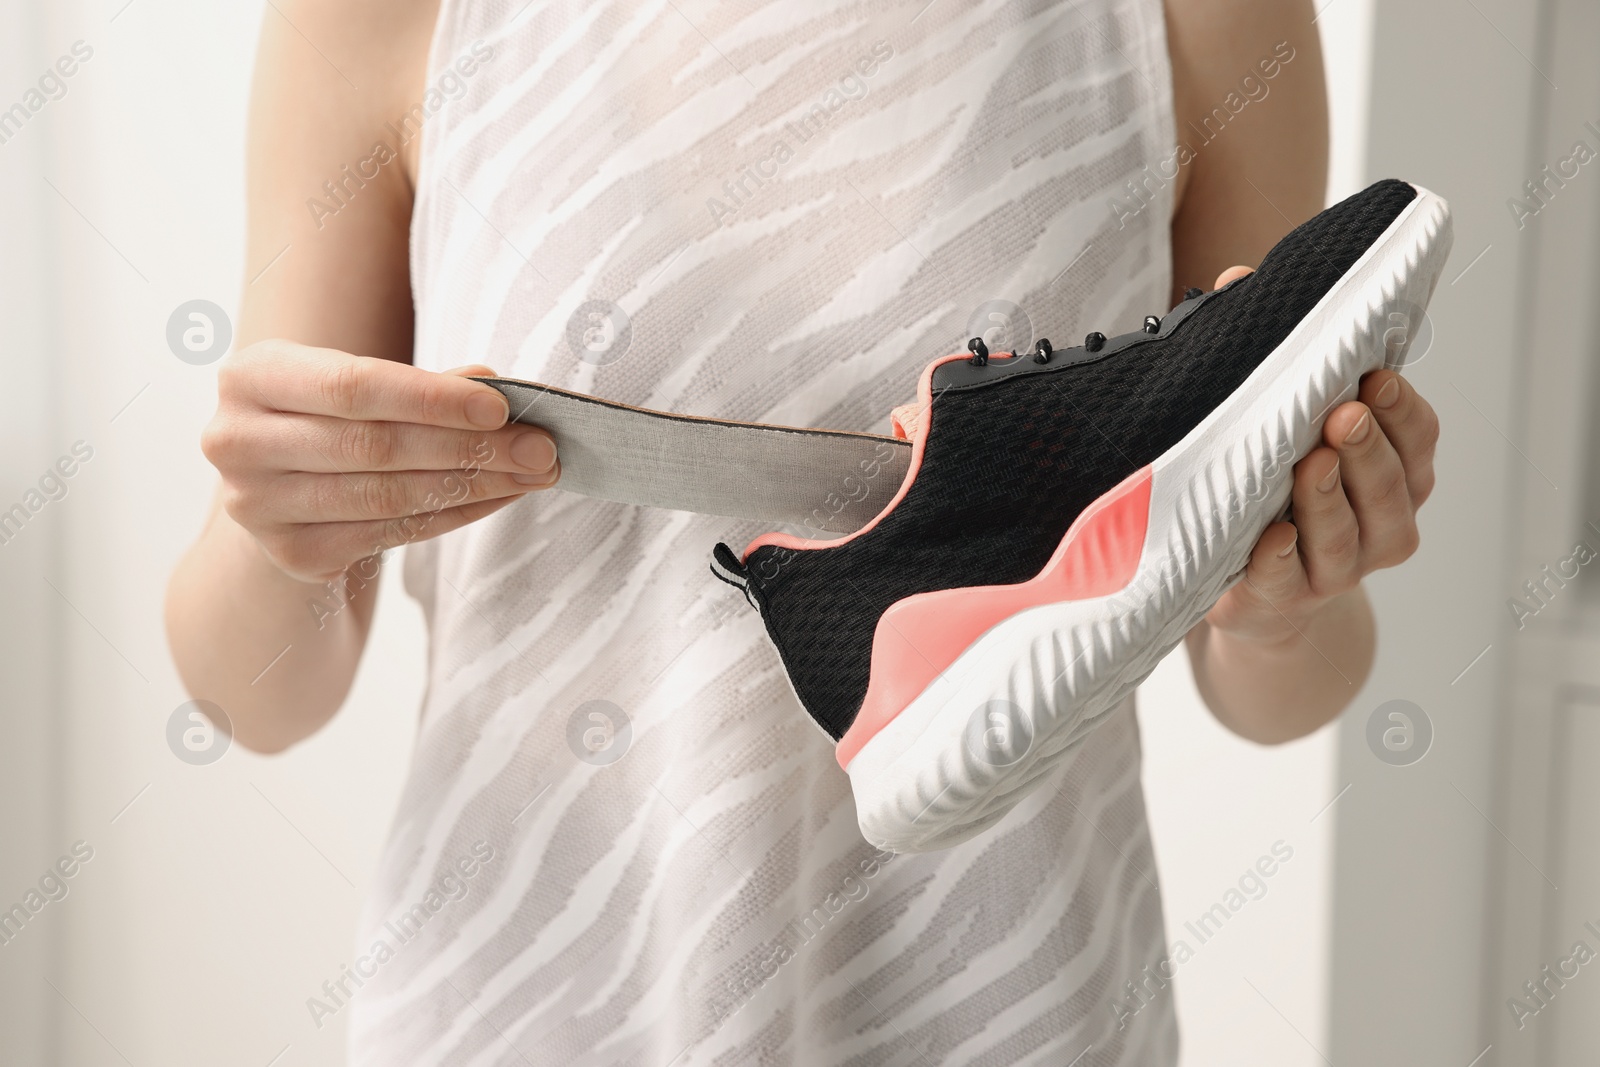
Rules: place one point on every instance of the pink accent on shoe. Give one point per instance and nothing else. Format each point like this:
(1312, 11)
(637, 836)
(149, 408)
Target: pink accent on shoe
(919, 637)
(903, 421)
(919, 444)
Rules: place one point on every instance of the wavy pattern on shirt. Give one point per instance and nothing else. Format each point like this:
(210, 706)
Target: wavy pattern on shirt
(707, 899)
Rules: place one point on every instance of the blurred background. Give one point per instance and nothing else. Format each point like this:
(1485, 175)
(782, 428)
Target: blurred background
(1436, 882)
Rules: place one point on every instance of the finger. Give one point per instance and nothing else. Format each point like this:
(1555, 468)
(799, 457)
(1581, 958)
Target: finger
(325, 445)
(1330, 542)
(1410, 424)
(1274, 576)
(368, 496)
(321, 381)
(304, 550)
(1232, 274)
(1374, 484)
(1275, 572)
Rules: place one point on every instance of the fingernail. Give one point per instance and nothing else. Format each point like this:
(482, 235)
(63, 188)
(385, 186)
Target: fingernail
(1329, 480)
(533, 451)
(1358, 432)
(531, 479)
(488, 410)
(1388, 394)
(1288, 550)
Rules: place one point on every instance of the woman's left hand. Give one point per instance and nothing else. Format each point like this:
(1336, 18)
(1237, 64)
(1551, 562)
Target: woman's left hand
(1355, 505)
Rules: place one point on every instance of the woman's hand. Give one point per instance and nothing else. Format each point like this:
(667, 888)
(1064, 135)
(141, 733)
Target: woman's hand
(1355, 504)
(328, 458)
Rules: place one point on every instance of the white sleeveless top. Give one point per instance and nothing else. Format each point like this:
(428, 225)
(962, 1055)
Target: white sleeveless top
(622, 842)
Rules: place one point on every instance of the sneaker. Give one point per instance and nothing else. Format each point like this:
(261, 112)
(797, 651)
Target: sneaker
(1069, 514)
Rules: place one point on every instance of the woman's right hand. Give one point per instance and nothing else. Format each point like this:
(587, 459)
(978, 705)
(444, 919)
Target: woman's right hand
(328, 458)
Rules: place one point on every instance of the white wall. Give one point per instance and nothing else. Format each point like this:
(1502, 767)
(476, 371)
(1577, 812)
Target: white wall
(1413, 980)
(222, 896)
(29, 668)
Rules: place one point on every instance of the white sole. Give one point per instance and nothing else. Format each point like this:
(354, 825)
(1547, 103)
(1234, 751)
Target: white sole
(1041, 679)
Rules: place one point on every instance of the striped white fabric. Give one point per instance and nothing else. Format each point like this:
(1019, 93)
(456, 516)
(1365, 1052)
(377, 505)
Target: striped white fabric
(622, 841)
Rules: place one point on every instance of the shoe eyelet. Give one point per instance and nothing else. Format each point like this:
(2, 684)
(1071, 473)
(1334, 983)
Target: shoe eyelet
(1152, 324)
(1095, 341)
(1193, 294)
(1042, 350)
(980, 352)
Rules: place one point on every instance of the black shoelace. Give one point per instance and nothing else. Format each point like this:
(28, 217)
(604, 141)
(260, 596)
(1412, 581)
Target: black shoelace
(1094, 342)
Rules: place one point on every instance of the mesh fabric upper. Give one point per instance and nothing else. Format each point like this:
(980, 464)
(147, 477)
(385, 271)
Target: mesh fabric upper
(1009, 466)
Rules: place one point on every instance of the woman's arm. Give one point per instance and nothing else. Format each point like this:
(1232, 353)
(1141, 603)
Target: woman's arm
(331, 447)
(1255, 174)
(1289, 646)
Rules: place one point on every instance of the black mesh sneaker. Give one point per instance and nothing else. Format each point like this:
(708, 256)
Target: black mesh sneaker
(1070, 513)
